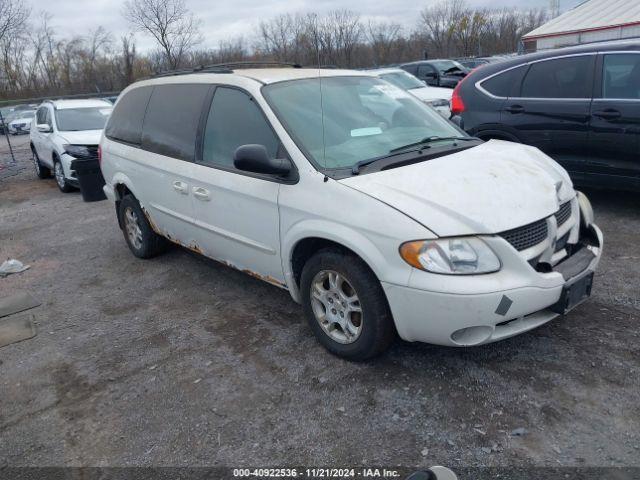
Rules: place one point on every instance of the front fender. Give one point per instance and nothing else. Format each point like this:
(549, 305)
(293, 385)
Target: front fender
(389, 268)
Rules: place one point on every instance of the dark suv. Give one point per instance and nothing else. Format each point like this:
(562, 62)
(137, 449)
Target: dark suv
(438, 73)
(580, 105)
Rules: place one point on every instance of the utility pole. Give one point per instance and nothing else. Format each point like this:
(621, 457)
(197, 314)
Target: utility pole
(554, 8)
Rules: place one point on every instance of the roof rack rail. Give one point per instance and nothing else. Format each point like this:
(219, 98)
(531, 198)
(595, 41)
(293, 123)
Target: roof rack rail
(223, 68)
(248, 64)
(187, 71)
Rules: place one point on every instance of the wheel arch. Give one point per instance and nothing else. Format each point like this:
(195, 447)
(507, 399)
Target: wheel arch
(497, 133)
(122, 186)
(304, 241)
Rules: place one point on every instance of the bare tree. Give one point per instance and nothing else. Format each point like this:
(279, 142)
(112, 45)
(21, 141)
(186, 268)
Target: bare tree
(13, 16)
(384, 39)
(438, 22)
(169, 22)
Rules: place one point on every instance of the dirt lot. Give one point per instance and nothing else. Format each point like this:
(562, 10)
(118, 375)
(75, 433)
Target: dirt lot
(182, 361)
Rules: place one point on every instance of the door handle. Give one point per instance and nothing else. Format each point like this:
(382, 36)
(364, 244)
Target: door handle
(201, 194)
(181, 187)
(608, 114)
(515, 109)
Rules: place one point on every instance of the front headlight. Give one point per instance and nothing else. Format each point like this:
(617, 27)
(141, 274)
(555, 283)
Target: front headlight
(451, 256)
(78, 151)
(437, 103)
(586, 210)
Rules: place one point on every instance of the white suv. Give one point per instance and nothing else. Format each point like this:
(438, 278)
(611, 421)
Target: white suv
(376, 224)
(66, 130)
(436, 97)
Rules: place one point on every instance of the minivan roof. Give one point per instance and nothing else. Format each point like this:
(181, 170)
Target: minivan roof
(263, 75)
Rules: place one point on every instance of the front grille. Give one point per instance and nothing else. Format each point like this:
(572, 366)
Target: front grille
(528, 236)
(563, 214)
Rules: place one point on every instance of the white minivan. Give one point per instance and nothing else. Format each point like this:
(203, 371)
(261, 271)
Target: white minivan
(377, 224)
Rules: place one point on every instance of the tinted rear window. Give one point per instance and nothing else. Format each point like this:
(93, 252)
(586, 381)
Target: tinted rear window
(561, 78)
(502, 84)
(125, 123)
(171, 123)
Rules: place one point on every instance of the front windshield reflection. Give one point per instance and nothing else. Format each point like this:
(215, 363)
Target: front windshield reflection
(341, 121)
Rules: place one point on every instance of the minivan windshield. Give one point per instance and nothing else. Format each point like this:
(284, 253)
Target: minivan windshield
(403, 80)
(448, 66)
(339, 122)
(88, 118)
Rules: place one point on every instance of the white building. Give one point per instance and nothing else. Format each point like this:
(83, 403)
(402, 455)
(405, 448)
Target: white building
(591, 21)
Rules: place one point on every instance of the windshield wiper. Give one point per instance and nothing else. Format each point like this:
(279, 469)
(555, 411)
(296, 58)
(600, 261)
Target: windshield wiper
(426, 141)
(424, 144)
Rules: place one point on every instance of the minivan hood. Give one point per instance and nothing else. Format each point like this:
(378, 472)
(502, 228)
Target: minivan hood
(488, 189)
(82, 137)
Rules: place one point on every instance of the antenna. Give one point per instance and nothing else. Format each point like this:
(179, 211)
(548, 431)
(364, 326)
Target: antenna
(554, 8)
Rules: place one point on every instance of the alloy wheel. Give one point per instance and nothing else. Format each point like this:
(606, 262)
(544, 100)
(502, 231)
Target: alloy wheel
(59, 173)
(336, 306)
(36, 163)
(134, 232)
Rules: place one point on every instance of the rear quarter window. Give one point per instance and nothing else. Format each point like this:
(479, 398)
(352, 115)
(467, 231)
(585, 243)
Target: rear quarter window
(504, 84)
(125, 123)
(172, 119)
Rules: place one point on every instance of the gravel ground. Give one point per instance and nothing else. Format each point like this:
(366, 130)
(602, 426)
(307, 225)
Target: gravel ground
(182, 361)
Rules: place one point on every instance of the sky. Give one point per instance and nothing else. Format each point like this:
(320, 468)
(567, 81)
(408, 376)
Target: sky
(229, 19)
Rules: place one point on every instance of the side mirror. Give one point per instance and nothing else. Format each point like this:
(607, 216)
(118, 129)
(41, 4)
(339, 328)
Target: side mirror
(255, 159)
(44, 128)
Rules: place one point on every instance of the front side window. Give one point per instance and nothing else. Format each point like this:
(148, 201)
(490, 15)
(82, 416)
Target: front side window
(621, 76)
(402, 80)
(426, 70)
(340, 121)
(234, 120)
(569, 77)
(41, 116)
(77, 119)
(171, 122)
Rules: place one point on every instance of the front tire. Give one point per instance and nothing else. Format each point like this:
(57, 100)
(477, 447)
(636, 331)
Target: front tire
(345, 305)
(61, 180)
(140, 237)
(42, 172)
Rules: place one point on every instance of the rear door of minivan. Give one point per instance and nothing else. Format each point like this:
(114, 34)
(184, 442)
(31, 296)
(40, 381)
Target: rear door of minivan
(169, 136)
(552, 109)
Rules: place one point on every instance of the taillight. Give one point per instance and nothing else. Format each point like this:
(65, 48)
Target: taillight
(99, 155)
(457, 104)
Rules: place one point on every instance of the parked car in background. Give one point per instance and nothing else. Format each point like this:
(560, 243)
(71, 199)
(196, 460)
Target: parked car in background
(579, 105)
(376, 224)
(436, 97)
(475, 62)
(438, 73)
(67, 130)
(20, 121)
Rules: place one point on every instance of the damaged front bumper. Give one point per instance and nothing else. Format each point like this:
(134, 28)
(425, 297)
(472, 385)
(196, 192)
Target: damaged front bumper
(486, 308)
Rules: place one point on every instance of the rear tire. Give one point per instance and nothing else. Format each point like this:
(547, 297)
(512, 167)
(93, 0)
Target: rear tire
(61, 180)
(345, 305)
(42, 172)
(140, 237)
